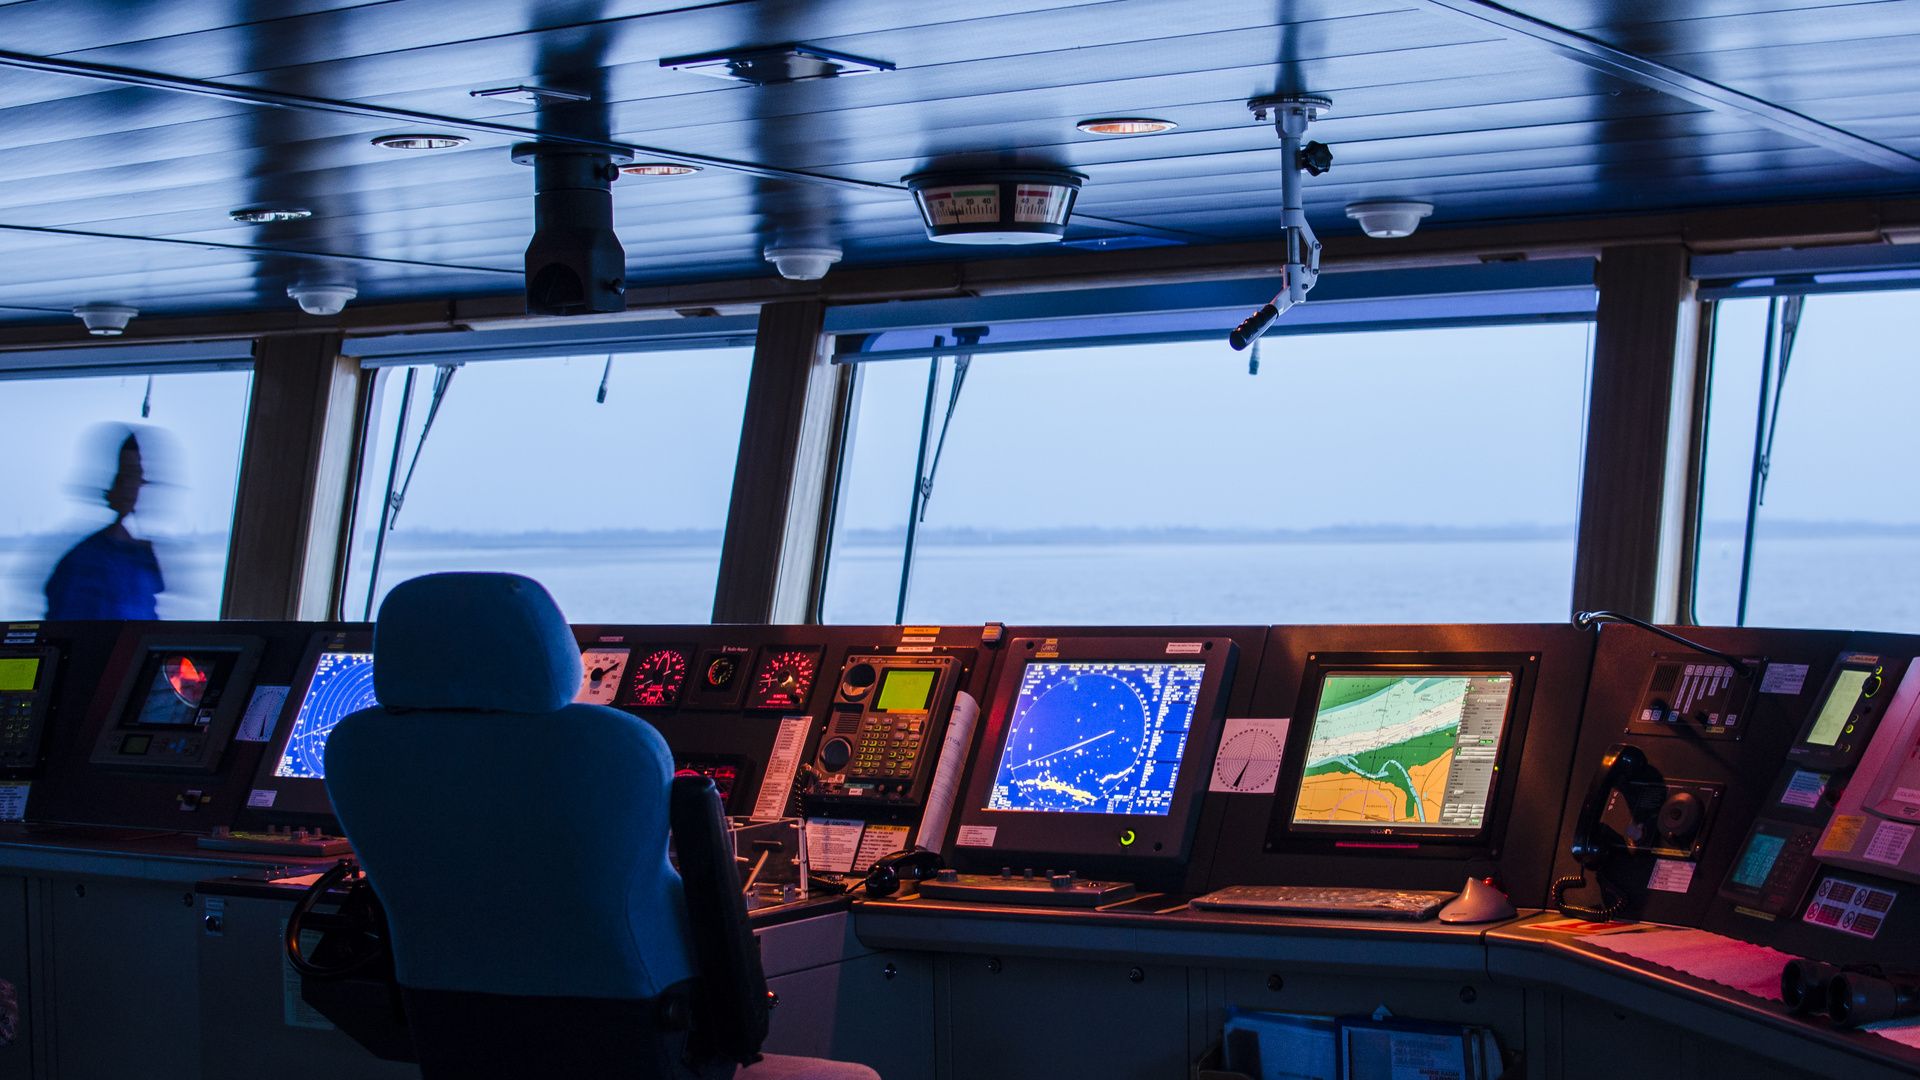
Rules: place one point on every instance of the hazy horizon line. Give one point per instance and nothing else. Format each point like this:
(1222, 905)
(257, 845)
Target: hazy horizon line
(1370, 533)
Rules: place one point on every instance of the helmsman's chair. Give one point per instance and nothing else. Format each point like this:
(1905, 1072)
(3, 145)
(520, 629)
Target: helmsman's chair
(518, 843)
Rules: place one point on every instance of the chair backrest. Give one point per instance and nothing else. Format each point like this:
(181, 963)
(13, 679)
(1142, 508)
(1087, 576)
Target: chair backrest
(731, 1002)
(517, 841)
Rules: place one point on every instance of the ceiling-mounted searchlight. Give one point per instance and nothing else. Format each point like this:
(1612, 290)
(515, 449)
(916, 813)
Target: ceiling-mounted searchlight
(1291, 115)
(575, 264)
(996, 206)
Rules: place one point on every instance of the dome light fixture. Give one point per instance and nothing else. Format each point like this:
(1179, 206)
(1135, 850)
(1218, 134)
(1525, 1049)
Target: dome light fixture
(996, 206)
(256, 215)
(1126, 125)
(646, 169)
(802, 263)
(420, 142)
(321, 299)
(1389, 219)
(105, 320)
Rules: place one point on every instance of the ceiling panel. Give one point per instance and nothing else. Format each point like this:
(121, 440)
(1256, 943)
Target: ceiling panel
(136, 182)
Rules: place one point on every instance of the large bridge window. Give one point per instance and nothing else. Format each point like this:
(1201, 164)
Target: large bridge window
(1409, 476)
(56, 526)
(607, 479)
(1836, 505)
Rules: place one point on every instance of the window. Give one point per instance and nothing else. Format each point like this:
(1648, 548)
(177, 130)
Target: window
(68, 432)
(1409, 476)
(1836, 533)
(616, 506)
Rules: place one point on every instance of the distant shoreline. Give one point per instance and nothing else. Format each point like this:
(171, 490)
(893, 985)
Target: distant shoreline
(936, 537)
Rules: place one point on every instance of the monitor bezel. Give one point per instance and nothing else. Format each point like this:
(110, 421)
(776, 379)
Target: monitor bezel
(236, 694)
(1827, 756)
(300, 799)
(1283, 835)
(1094, 837)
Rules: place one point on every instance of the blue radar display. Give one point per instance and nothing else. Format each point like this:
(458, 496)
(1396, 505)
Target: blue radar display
(342, 683)
(1097, 738)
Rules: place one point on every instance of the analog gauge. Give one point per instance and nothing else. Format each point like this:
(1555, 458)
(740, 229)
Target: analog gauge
(784, 679)
(1248, 762)
(720, 672)
(657, 678)
(600, 675)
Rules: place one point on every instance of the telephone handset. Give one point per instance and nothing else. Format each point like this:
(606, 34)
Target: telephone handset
(1590, 841)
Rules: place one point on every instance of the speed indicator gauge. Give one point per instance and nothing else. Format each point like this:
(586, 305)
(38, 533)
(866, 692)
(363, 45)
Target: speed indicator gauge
(784, 679)
(658, 675)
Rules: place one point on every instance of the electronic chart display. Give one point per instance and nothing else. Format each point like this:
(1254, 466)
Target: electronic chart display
(1097, 737)
(342, 683)
(1412, 751)
(1094, 753)
(1404, 749)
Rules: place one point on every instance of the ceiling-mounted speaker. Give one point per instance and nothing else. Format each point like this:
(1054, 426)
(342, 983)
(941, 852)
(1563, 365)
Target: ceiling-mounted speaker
(575, 264)
(996, 206)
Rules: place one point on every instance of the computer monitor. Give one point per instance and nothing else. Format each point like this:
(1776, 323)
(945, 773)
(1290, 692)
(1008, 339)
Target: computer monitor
(1094, 751)
(179, 701)
(335, 678)
(1401, 752)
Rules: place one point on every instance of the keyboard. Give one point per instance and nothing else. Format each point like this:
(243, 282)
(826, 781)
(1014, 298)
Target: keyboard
(1314, 900)
(307, 844)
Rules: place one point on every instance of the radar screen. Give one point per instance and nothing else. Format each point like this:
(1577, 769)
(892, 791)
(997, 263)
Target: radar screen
(658, 674)
(1099, 738)
(784, 679)
(600, 671)
(1417, 750)
(342, 684)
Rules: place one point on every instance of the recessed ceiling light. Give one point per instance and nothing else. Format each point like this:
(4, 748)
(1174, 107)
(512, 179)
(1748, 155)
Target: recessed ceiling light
(531, 95)
(420, 142)
(258, 214)
(659, 168)
(1129, 125)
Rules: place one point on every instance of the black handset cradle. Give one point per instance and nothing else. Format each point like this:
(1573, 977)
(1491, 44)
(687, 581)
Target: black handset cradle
(1590, 842)
(890, 870)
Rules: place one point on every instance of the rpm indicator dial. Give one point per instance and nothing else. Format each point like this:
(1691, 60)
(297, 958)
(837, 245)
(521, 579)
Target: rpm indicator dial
(658, 676)
(784, 679)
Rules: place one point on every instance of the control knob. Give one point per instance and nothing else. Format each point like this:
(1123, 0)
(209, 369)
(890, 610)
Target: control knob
(835, 754)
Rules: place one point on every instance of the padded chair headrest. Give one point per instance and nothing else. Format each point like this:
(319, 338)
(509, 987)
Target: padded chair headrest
(474, 641)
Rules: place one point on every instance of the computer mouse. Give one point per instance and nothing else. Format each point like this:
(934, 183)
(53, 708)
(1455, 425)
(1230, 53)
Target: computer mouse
(1478, 902)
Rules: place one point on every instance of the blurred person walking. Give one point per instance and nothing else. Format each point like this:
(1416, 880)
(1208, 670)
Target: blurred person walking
(110, 574)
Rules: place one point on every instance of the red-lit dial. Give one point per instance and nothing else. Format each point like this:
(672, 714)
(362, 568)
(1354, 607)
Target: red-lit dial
(658, 676)
(783, 681)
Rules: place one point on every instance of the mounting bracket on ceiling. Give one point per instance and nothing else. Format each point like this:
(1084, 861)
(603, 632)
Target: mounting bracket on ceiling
(1292, 113)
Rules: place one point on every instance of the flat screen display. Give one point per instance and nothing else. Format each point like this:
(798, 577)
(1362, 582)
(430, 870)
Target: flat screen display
(1756, 861)
(342, 683)
(18, 672)
(906, 689)
(1838, 706)
(178, 689)
(1416, 750)
(1097, 737)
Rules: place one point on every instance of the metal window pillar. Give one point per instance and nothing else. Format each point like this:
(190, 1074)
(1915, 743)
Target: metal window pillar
(770, 564)
(296, 475)
(1639, 428)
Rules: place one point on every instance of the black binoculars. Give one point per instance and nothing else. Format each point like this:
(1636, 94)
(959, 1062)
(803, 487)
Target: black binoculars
(1851, 995)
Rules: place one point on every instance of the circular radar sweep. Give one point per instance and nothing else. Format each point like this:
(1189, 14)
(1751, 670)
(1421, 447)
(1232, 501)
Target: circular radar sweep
(658, 676)
(1248, 762)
